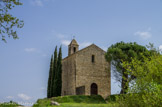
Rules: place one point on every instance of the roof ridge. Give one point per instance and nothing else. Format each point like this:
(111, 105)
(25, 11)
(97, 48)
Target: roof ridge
(83, 49)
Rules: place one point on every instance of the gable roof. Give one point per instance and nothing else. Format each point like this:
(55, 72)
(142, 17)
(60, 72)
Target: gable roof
(84, 49)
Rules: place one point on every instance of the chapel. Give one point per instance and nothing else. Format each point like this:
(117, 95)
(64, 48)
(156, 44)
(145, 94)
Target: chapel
(85, 71)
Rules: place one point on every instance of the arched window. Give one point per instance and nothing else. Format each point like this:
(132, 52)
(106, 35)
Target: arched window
(94, 89)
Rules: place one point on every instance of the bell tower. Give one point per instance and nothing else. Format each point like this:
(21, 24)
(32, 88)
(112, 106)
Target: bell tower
(73, 47)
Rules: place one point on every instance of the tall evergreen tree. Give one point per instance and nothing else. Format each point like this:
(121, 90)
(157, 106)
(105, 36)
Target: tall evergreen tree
(53, 87)
(50, 79)
(58, 77)
(55, 75)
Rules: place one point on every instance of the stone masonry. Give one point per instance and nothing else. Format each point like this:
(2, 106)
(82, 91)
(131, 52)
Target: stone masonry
(85, 72)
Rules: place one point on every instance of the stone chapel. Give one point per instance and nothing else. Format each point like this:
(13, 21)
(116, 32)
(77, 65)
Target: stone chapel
(85, 71)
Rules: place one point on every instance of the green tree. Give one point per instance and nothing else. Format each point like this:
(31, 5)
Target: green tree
(145, 91)
(53, 87)
(8, 22)
(124, 52)
(50, 79)
(58, 77)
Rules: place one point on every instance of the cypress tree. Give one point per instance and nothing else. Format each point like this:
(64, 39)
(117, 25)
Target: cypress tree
(58, 80)
(55, 75)
(50, 78)
(53, 87)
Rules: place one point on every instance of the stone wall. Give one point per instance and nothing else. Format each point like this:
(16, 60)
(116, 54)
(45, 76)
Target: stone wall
(88, 72)
(80, 71)
(68, 75)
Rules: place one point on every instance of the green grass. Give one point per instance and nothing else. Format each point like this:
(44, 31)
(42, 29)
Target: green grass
(97, 99)
(77, 105)
(86, 105)
(75, 101)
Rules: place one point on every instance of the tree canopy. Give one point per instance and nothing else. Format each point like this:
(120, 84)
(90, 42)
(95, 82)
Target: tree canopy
(145, 91)
(124, 52)
(8, 22)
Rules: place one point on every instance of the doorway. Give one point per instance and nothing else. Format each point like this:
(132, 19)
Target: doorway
(94, 89)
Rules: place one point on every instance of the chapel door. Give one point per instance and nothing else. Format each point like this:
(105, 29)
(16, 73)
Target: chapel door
(94, 89)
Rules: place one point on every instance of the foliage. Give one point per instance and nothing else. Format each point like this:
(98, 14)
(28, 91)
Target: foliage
(111, 98)
(145, 91)
(55, 75)
(58, 74)
(120, 52)
(9, 104)
(53, 85)
(50, 79)
(8, 22)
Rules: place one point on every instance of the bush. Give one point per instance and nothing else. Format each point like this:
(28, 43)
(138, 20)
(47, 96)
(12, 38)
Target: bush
(112, 98)
(145, 91)
(9, 104)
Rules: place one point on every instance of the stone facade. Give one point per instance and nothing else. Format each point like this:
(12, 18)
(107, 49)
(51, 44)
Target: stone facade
(85, 72)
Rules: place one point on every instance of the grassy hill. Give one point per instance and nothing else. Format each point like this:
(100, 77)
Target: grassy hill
(75, 101)
(9, 104)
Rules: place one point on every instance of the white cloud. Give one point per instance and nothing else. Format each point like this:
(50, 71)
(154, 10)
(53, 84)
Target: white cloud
(65, 42)
(143, 35)
(60, 36)
(9, 97)
(85, 44)
(37, 3)
(24, 97)
(30, 49)
(160, 47)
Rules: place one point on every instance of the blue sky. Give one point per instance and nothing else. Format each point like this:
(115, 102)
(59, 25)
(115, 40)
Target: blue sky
(24, 63)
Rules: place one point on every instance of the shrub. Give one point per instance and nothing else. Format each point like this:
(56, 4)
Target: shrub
(9, 104)
(112, 98)
(145, 91)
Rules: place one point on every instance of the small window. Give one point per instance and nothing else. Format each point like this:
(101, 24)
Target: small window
(93, 58)
(74, 49)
